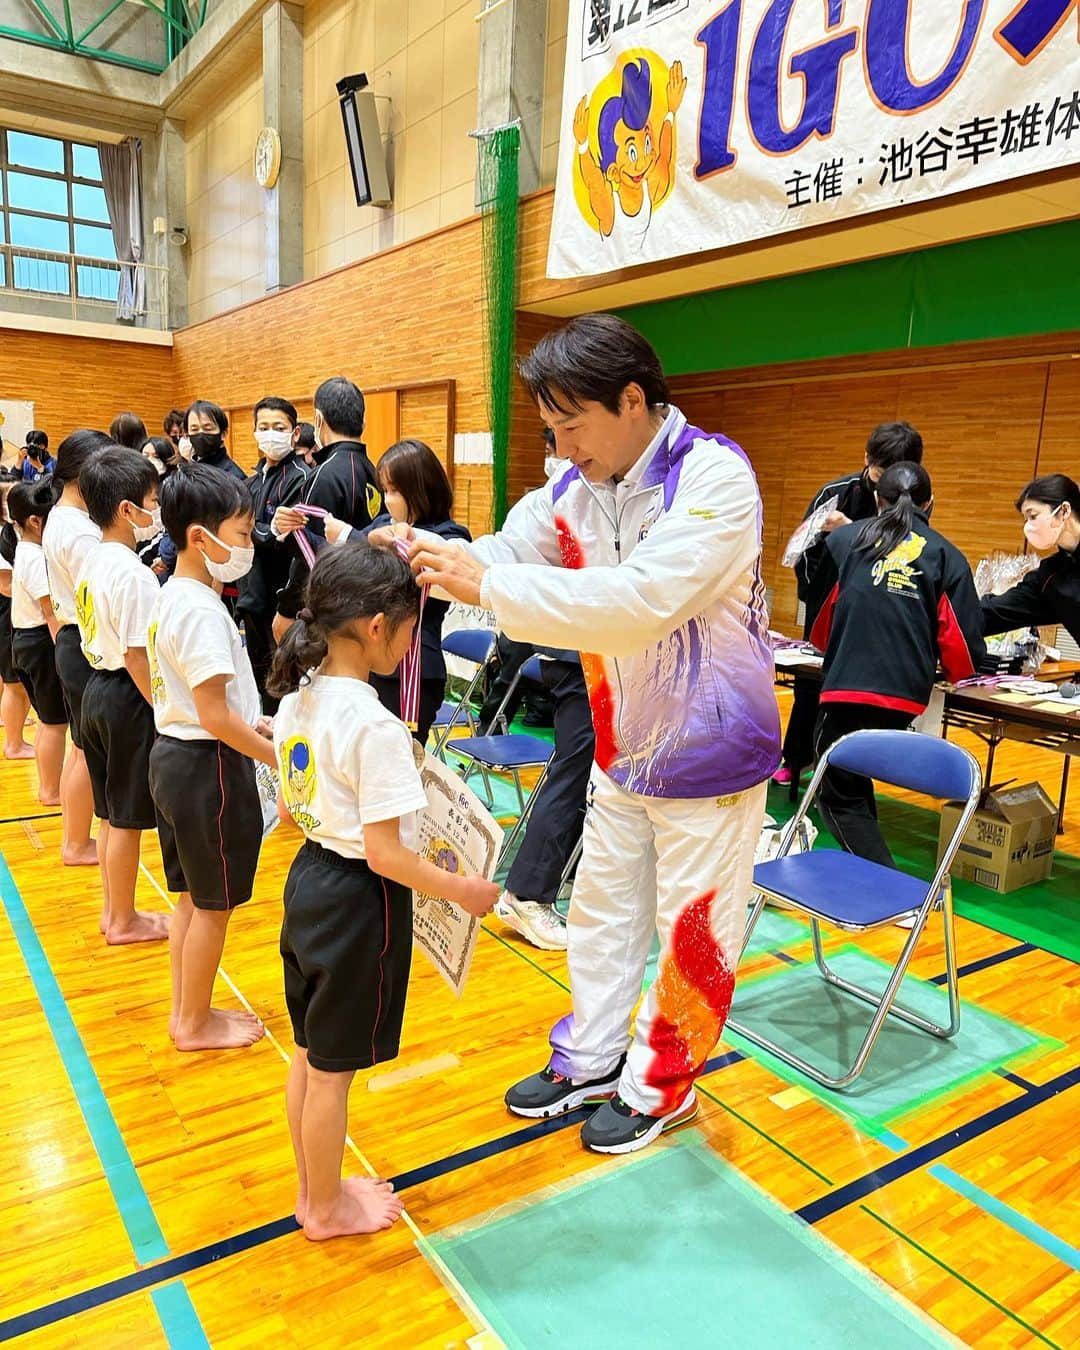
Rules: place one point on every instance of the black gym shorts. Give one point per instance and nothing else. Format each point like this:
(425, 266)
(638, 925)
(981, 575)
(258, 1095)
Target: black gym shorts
(74, 671)
(346, 944)
(8, 673)
(209, 820)
(117, 734)
(33, 653)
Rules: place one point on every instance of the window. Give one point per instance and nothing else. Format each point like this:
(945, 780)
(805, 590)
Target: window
(52, 201)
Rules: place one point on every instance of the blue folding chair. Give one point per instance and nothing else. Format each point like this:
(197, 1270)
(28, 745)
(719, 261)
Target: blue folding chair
(511, 753)
(477, 646)
(856, 896)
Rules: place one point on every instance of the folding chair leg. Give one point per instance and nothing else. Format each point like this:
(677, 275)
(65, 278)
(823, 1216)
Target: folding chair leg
(522, 819)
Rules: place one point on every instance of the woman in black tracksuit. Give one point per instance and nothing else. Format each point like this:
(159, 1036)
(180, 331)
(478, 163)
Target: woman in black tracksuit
(1051, 594)
(905, 601)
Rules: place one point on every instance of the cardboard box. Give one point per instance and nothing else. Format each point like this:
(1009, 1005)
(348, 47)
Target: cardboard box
(1010, 841)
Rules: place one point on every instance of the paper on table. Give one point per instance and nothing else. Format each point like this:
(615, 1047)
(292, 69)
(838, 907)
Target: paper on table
(458, 834)
(793, 657)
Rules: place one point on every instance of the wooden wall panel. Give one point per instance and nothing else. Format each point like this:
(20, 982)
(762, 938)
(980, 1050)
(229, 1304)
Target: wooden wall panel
(526, 469)
(424, 415)
(79, 382)
(1059, 450)
(382, 425)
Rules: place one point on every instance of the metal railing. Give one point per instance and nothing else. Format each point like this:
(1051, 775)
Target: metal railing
(85, 286)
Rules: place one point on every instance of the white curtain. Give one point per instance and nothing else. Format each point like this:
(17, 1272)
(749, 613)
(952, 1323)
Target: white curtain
(121, 171)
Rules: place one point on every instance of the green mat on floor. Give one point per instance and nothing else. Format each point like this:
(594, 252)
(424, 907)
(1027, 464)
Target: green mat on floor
(672, 1249)
(796, 1009)
(1047, 914)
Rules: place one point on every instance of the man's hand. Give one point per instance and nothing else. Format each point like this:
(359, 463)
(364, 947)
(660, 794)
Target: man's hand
(286, 521)
(336, 531)
(834, 520)
(281, 626)
(448, 567)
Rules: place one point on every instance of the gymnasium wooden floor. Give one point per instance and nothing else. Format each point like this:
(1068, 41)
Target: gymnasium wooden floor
(146, 1195)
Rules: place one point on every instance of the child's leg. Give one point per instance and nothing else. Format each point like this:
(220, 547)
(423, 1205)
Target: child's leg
(336, 1208)
(77, 805)
(126, 924)
(49, 749)
(178, 930)
(14, 705)
(102, 847)
(295, 1092)
(199, 1026)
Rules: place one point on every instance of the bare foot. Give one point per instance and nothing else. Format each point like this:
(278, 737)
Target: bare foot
(358, 1209)
(49, 798)
(300, 1212)
(23, 751)
(244, 1018)
(139, 928)
(86, 856)
(220, 1032)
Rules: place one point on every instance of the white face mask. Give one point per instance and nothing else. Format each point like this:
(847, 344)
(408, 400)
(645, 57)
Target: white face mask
(184, 448)
(318, 424)
(1044, 532)
(552, 465)
(275, 445)
(237, 565)
(158, 466)
(144, 533)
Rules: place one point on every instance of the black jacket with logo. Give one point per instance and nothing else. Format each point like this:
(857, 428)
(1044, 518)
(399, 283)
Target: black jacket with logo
(891, 619)
(1049, 595)
(343, 483)
(815, 572)
(272, 485)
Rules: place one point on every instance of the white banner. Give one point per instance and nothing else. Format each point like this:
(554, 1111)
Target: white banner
(16, 419)
(690, 125)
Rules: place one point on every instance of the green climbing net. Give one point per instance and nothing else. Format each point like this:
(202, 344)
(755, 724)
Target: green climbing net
(499, 206)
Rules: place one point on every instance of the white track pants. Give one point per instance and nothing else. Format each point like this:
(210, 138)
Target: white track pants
(684, 869)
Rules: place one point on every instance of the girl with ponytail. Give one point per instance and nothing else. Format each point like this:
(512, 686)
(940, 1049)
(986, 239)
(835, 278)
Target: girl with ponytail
(904, 604)
(349, 781)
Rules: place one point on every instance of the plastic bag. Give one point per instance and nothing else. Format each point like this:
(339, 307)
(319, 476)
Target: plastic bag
(768, 844)
(1021, 648)
(809, 532)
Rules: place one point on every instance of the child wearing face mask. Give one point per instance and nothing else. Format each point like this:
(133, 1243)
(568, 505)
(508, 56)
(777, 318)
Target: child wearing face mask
(114, 595)
(1051, 594)
(277, 483)
(349, 781)
(206, 711)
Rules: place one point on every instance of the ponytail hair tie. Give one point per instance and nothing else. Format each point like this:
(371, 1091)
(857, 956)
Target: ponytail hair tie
(306, 616)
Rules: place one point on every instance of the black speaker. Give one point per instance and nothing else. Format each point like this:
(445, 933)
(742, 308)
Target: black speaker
(363, 141)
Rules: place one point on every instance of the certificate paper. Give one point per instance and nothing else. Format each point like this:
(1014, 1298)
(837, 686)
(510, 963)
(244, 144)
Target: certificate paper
(267, 782)
(456, 833)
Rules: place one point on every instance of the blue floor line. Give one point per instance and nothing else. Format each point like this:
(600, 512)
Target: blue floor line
(1027, 1228)
(988, 962)
(856, 1190)
(136, 1213)
(1015, 1079)
(174, 1307)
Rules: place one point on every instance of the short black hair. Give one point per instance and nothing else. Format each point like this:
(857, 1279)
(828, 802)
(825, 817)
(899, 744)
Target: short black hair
(592, 360)
(197, 494)
(163, 448)
(73, 453)
(1053, 490)
(37, 440)
(116, 475)
(305, 439)
(31, 499)
(342, 405)
(128, 429)
(173, 419)
(275, 404)
(205, 408)
(894, 443)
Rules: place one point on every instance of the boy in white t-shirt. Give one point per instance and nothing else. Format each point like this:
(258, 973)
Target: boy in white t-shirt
(33, 630)
(206, 709)
(114, 596)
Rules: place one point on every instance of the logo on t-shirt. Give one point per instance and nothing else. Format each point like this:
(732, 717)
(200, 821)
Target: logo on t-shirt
(896, 570)
(298, 780)
(157, 680)
(84, 612)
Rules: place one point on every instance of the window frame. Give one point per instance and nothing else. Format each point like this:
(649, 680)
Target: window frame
(71, 180)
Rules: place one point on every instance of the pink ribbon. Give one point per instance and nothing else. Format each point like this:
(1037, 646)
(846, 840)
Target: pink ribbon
(409, 670)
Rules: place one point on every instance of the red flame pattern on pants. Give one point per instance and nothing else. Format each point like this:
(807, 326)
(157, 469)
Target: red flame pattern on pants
(691, 1000)
(601, 701)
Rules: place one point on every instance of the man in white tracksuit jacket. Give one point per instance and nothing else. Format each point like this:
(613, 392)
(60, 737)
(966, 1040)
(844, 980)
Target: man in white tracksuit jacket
(645, 555)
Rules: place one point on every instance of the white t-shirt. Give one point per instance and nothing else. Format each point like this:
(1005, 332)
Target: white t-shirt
(114, 598)
(345, 762)
(29, 586)
(69, 536)
(189, 640)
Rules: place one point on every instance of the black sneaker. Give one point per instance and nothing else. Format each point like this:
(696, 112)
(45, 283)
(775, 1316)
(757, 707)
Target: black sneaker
(618, 1128)
(548, 1093)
